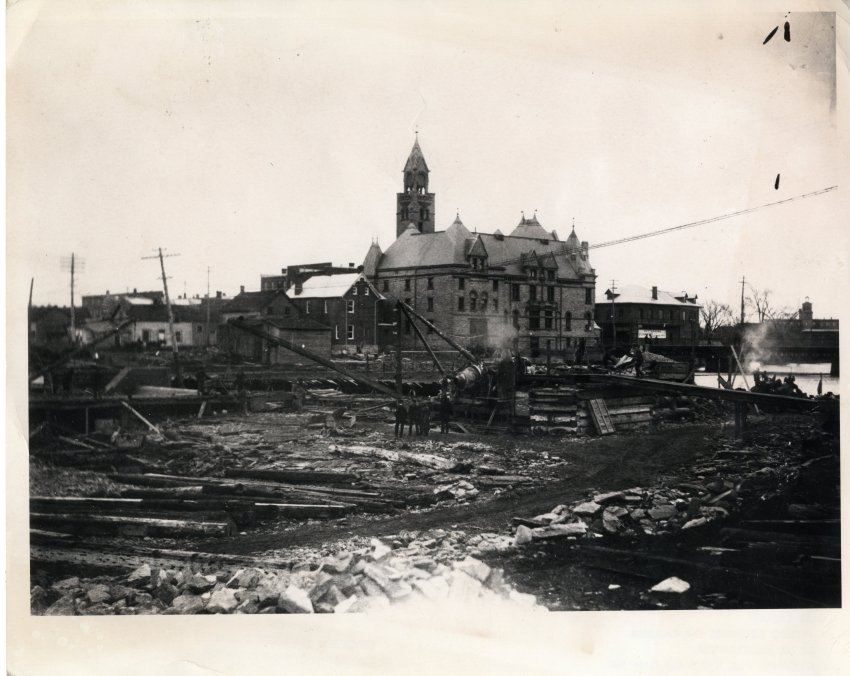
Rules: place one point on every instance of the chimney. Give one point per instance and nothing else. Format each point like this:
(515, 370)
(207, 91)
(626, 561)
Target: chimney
(242, 288)
(218, 295)
(654, 293)
(134, 290)
(351, 265)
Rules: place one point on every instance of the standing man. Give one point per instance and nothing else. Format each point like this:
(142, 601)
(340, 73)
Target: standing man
(400, 417)
(413, 416)
(445, 414)
(201, 378)
(425, 417)
(298, 396)
(638, 357)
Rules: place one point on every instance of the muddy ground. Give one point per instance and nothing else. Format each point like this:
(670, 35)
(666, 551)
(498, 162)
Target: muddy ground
(562, 574)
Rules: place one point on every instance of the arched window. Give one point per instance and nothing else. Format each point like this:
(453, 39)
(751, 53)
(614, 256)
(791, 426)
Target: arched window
(473, 300)
(568, 321)
(484, 299)
(589, 317)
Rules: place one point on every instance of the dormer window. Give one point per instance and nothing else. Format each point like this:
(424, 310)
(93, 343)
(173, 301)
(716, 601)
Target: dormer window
(532, 273)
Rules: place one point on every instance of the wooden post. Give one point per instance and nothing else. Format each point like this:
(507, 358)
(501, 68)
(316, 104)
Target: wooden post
(398, 363)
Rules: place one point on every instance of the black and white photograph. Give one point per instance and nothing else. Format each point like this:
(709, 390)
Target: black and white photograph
(400, 312)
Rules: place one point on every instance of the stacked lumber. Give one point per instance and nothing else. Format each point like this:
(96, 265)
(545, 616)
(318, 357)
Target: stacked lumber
(627, 413)
(271, 491)
(552, 408)
(568, 410)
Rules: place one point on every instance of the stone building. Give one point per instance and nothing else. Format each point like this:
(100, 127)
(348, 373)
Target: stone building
(525, 290)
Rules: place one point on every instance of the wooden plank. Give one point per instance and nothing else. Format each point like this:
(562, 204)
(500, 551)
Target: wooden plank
(147, 422)
(112, 384)
(134, 525)
(600, 417)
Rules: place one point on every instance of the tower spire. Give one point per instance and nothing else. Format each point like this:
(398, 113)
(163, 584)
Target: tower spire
(415, 204)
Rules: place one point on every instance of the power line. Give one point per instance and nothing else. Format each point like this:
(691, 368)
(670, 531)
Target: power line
(675, 228)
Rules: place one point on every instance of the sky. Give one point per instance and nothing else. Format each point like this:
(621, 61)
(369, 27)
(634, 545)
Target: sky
(250, 136)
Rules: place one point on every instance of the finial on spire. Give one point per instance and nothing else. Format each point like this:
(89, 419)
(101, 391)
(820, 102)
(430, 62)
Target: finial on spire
(574, 223)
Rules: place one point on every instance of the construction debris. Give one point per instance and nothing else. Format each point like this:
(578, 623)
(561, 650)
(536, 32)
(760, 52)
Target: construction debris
(369, 579)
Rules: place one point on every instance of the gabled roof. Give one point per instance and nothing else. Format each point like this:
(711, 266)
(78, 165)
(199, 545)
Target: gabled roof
(330, 286)
(477, 248)
(530, 227)
(631, 293)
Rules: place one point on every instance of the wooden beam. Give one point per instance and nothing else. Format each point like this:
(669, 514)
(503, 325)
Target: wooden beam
(418, 332)
(147, 422)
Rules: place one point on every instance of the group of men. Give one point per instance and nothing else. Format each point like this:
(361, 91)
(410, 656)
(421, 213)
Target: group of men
(416, 415)
(768, 384)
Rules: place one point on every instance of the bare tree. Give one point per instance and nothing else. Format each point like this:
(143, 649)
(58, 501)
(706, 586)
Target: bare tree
(760, 303)
(714, 315)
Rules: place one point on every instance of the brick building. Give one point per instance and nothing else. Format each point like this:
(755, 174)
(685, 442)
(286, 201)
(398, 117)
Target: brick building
(525, 290)
(274, 313)
(636, 314)
(346, 303)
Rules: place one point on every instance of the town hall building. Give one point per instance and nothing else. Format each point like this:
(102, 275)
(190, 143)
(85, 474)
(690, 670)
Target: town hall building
(526, 290)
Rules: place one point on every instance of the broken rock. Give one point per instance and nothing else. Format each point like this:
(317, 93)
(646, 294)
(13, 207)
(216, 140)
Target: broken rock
(475, 568)
(295, 600)
(587, 508)
(523, 535)
(672, 585)
(222, 601)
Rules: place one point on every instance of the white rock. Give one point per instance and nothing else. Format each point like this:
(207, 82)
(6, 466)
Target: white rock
(379, 550)
(672, 585)
(295, 600)
(477, 569)
(523, 535)
(589, 508)
(695, 523)
(435, 589)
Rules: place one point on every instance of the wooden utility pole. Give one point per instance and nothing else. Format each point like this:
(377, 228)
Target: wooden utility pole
(73, 320)
(208, 306)
(613, 322)
(71, 264)
(178, 375)
(398, 362)
(29, 315)
(743, 281)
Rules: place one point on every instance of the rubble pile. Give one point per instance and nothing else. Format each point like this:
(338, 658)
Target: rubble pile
(368, 579)
(714, 491)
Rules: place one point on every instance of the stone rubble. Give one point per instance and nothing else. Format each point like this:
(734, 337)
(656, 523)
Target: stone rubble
(714, 492)
(438, 567)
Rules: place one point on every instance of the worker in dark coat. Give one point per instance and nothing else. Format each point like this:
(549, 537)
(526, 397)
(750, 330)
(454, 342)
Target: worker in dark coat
(445, 414)
(425, 417)
(637, 355)
(201, 378)
(413, 416)
(400, 417)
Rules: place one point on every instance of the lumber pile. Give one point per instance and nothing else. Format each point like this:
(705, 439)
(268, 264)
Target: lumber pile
(566, 410)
